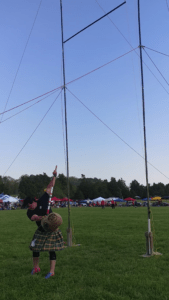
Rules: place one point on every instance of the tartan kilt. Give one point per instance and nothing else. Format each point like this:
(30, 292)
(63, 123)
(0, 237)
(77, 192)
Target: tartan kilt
(47, 241)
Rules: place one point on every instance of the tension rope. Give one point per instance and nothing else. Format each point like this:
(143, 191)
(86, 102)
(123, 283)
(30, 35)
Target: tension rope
(27, 107)
(114, 132)
(32, 134)
(60, 87)
(21, 59)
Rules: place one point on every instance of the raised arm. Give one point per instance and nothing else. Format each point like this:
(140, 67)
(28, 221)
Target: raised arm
(52, 183)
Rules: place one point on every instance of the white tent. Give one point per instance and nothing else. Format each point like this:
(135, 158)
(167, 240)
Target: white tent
(7, 198)
(111, 198)
(99, 199)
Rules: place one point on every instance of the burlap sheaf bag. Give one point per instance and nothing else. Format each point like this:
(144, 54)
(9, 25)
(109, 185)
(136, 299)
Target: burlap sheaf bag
(51, 222)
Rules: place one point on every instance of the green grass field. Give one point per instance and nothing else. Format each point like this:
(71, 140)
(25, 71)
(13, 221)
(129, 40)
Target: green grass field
(107, 265)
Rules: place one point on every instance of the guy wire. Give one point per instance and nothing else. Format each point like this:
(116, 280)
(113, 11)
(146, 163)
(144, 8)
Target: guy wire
(156, 51)
(155, 66)
(115, 133)
(21, 58)
(135, 49)
(32, 134)
(27, 107)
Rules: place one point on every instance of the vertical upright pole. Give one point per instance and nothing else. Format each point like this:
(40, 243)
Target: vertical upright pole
(69, 233)
(144, 128)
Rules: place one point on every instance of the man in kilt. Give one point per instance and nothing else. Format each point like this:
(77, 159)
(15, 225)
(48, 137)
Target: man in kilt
(47, 237)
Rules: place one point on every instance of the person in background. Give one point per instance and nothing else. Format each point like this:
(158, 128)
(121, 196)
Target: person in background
(102, 204)
(112, 204)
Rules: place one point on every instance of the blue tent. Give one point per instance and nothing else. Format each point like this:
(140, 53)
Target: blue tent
(119, 200)
(145, 199)
(83, 201)
(86, 201)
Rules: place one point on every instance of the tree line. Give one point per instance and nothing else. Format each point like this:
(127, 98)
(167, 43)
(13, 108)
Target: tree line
(80, 188)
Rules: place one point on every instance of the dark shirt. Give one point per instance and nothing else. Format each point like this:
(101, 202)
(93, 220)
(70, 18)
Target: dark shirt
(41, 209)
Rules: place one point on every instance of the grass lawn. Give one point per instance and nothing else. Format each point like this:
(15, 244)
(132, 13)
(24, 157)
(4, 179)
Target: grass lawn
(107, 265)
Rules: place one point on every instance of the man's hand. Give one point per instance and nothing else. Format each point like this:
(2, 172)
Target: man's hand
(52, 183)
(36, 218)
(55, 172)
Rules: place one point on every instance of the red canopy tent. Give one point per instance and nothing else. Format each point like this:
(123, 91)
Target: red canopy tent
(66, 199)
(55, 199)
(129, 199)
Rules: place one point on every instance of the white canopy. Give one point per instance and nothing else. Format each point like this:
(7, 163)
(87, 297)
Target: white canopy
(99, 199)
(7, 198)
(111, 198)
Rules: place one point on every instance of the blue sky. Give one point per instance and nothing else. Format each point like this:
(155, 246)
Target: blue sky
(112, 93)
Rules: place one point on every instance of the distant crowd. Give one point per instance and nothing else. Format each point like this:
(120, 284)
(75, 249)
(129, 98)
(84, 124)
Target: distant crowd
(103, 204)
(112, 204)
(9, 206)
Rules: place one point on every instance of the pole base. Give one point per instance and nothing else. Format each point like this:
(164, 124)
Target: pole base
(69, 237)
(73, 245)
(157, 253)
(149, 243)
(153, 253)
(146, 255)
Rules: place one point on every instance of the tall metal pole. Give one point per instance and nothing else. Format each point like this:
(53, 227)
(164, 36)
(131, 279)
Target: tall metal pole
(144, 128)
(69, 231)
(69, 234)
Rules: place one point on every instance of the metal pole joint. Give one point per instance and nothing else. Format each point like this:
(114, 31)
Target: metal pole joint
(141, 46)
